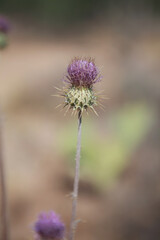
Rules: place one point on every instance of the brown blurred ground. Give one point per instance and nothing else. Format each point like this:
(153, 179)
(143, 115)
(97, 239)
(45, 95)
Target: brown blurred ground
(38, 178)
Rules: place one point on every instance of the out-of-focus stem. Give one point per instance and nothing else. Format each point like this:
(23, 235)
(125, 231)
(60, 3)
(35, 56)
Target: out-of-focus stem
(3, 195)
(76, 181)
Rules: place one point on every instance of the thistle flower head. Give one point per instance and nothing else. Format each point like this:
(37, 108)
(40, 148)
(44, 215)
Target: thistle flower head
(82, 73)
(49, 227)
(4, 25)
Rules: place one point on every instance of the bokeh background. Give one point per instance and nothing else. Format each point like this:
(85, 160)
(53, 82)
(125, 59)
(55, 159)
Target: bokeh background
(120, 168)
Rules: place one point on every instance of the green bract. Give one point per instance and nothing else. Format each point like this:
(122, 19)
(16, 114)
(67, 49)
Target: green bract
(3, 40)
(80, 98)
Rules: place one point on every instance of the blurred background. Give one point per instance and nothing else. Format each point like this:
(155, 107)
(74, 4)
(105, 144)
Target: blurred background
(120, 166)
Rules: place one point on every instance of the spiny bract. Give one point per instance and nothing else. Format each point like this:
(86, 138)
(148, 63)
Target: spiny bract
(80, 98)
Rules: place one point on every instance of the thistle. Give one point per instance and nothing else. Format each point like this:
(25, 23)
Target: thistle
(49, 227)
(79, 95)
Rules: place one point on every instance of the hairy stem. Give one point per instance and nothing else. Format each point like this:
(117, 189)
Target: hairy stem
(3, 200)
(76, 181)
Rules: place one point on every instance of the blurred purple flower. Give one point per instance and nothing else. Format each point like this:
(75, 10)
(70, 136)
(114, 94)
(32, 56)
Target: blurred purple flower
(4, 25)
(82, 72)
(49, 227)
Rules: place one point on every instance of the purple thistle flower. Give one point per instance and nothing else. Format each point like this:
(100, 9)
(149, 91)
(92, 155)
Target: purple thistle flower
(82, 72)
(4, 25)
(49, 227)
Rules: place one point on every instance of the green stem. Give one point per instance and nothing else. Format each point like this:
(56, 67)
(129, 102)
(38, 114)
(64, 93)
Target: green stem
(73, 224)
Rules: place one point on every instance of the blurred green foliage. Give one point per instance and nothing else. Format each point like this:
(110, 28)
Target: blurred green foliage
(58, 11)
(105, 153)
(3, 40)
(69, 11)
